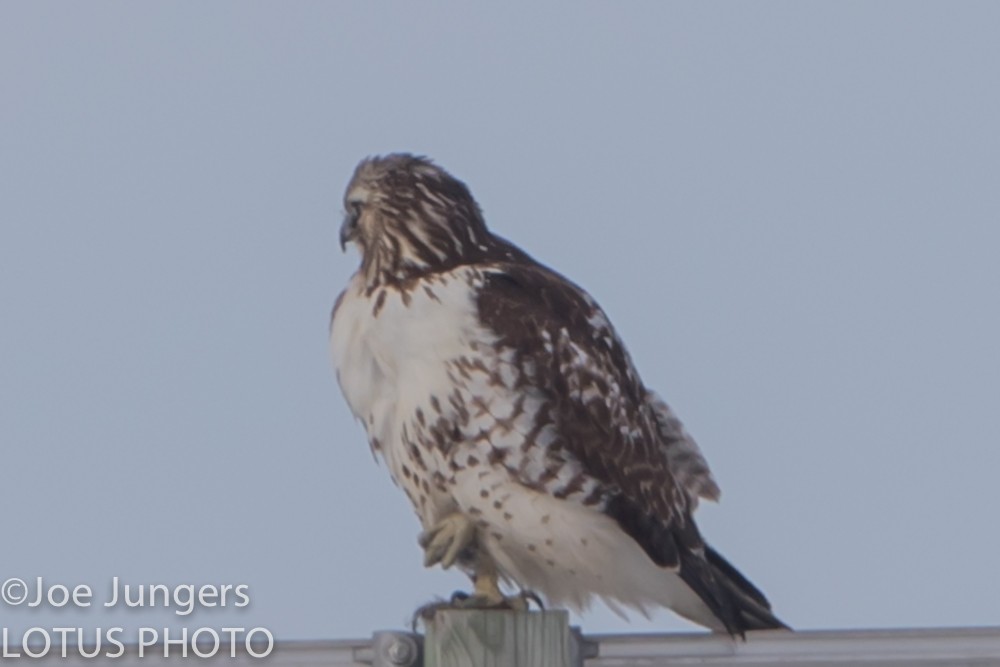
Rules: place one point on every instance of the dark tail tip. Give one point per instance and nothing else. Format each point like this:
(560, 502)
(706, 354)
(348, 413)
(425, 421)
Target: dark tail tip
(737, 603)
(752, 609)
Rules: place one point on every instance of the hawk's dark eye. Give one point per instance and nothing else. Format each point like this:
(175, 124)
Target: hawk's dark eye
(349, 228)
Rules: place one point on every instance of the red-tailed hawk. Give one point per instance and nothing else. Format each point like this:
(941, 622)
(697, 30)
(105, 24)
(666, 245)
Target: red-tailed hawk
(506, 407)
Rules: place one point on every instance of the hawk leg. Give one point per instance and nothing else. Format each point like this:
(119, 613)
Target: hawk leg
(486, 595)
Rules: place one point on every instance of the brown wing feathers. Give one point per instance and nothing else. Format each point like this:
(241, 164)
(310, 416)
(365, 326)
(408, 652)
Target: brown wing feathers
(613, 434)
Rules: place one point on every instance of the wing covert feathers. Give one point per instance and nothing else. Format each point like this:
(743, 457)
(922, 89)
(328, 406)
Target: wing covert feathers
(622, 434)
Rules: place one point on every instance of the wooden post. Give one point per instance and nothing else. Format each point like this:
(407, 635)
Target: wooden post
(499, 638)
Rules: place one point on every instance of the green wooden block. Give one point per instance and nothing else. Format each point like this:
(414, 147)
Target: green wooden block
(498, 638)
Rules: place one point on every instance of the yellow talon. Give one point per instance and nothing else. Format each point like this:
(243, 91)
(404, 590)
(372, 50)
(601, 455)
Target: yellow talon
(487, 588)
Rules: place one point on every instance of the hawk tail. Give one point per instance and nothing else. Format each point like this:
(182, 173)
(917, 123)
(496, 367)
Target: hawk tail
(737, 603)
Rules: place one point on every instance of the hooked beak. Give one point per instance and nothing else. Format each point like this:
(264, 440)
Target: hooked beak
(348, 230)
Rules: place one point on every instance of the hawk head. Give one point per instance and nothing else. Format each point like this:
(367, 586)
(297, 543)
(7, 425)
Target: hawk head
(410, 217)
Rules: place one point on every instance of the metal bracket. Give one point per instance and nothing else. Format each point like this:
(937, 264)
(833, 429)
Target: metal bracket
(394, 648)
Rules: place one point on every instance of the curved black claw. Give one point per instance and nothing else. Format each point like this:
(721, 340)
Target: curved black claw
(425, 612)
(532, 596)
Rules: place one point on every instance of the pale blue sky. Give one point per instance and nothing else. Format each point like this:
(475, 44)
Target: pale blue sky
(791, 211)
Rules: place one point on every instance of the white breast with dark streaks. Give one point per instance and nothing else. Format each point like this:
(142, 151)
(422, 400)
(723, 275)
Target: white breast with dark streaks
(418, 369)
(391, 349)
